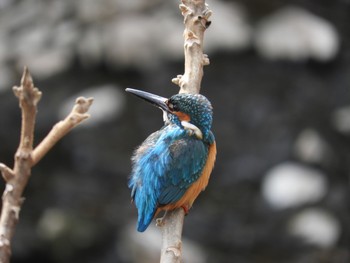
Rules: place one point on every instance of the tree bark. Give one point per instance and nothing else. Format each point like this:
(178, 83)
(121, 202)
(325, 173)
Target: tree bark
(196, 19)
(25, 157)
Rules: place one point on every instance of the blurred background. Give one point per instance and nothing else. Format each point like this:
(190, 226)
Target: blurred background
(279, 83)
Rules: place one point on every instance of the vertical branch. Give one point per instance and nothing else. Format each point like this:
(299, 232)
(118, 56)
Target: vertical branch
(25, 157)
(196, 19)
(171, 225)
(16, 181)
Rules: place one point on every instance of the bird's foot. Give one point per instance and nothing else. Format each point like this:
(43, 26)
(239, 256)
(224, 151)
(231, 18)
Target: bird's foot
(186, 209)
(160, 221)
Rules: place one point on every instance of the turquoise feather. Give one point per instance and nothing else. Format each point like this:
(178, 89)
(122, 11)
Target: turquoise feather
(170, 160)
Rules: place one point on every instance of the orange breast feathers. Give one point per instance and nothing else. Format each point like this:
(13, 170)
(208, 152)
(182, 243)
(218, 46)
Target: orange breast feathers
(197, 187)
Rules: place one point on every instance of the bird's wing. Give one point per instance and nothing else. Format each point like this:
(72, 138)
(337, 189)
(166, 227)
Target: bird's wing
(164, 166)
(187, 159)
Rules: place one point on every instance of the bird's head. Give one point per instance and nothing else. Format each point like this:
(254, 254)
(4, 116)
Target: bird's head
(189, 111)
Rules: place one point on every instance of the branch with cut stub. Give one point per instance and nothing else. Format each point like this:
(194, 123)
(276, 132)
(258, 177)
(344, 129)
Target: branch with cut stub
(196, 19)
(26, 157)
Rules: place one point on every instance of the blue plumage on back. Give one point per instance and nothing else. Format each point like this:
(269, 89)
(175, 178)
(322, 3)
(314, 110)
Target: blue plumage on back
(171, 160)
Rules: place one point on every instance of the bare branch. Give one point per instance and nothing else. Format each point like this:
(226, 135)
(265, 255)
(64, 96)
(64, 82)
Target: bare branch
(76, 116)
(25, 157)
(6, 172)
(28, 97)
(196, 19)
(172, 224)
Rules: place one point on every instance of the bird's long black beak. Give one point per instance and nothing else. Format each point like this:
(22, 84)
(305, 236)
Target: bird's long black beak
(155, 100)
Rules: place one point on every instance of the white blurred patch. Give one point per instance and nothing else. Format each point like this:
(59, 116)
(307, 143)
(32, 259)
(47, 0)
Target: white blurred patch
(229, 30)
(311, 147)
(316, 226)
(56, 225)
(90, 48)
(341, 119)
(52, 224)
(295, 34)
(47, 63)
(139, 40)
(291, 184)
(109, 101)
(130, 41)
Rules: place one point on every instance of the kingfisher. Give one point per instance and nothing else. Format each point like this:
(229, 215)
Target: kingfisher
(173, 165)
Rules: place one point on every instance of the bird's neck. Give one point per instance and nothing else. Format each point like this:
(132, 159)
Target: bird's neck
(201, 131)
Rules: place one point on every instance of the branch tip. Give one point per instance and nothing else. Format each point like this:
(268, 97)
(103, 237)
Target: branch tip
(82, 105)
(6, 172)
(206, 60)
(26, 77)
(176, 80)
(27, 91)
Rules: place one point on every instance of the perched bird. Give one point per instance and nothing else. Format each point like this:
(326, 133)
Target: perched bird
(173, 165)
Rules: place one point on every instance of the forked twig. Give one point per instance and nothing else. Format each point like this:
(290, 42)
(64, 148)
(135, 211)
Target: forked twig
(25, 158)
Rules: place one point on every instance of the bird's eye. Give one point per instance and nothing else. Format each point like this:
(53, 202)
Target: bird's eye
(172, 107)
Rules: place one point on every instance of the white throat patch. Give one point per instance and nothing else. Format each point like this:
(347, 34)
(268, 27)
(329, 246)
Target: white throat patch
(193, 129)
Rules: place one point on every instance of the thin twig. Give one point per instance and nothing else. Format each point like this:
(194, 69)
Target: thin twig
(17, 179)
(77, 115)
(196, 19)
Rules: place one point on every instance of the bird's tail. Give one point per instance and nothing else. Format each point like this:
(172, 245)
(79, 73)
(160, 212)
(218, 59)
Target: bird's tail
(145, 202)
(144, 219)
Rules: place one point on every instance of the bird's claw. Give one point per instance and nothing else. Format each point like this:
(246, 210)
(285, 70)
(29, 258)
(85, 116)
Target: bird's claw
(186, 209)
(160, 222)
